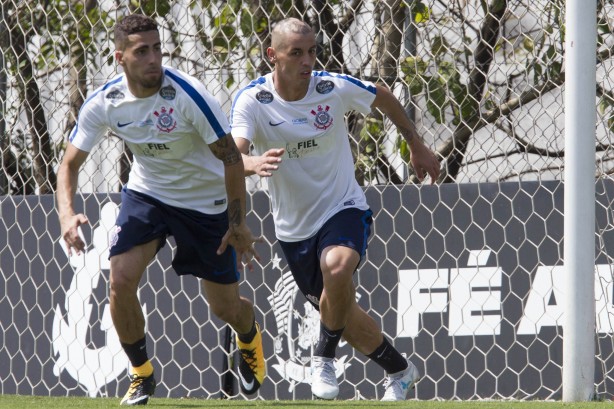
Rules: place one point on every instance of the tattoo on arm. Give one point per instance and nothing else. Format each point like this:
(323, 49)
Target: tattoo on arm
(408, 135)
(234, 212)
(226, 150)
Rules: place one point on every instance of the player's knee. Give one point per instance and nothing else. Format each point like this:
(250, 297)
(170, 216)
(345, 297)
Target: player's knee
(338, 274)
(229, 313)
(339, 263)
(123, 283)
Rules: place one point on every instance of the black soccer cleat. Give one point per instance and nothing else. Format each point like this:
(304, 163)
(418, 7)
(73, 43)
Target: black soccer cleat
(141, 388)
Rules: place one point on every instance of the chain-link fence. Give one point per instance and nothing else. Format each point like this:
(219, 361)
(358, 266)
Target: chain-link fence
(482, 80)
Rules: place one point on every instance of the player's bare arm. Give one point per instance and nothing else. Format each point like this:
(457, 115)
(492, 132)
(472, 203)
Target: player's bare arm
(422, 159)
(238, 235)
(68, 175)
(262, 165)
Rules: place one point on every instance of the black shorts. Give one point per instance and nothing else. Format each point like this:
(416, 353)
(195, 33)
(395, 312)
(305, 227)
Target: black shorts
(197, 235)
(350, 228)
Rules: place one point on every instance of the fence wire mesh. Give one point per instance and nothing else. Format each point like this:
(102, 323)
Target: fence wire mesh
(482, 80)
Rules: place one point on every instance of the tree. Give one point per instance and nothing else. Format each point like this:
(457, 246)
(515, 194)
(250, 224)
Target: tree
(471, 75)
(61, 29)
(20, 32)
(462, 90)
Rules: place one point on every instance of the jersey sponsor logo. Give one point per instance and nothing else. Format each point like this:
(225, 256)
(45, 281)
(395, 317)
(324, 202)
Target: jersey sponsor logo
(166, 122)
(157, 146)
(169, 93)
(145, 123)
(176, 149)
(154, 150)
(324, 87)
(299, 149)
(115, 95)
(323, 118)
(264, 97)
(299, 121)
(276, 123)
(121, 125)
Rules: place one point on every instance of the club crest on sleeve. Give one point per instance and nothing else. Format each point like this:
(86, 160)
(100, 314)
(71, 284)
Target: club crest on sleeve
(264, 97)
(168, 92)
(323, 118)
(115, 95)
(324, 87)
(166, 122)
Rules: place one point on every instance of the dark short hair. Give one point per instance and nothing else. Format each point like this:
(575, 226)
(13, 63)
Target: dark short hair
(134, 23)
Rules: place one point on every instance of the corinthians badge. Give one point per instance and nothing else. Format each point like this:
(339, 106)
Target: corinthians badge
(166, 122)
(323, 118)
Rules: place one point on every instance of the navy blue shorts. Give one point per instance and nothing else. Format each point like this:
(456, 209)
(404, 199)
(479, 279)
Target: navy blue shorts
(197, 235)
(350, 228)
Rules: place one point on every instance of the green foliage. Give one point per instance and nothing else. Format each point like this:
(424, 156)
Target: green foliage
(225, 37)
(152, 7)
(444, 90)
(436, 98)
(414, 69)
(66, 27)
(373, 130)
(371, 137)
(606, 109)
(403, 149)
(50, 32)
(420, 11)
(231, 28)
(443, 78)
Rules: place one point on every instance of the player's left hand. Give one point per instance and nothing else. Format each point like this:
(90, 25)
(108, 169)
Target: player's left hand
(241, 238)
(266, 164)
(423, 160)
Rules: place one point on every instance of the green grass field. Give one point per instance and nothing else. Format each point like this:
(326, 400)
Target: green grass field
(19, 402)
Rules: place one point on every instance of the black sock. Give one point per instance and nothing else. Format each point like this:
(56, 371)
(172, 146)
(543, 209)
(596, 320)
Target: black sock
(249, 337)
(327, 344)
(388, 358)
(137, 352)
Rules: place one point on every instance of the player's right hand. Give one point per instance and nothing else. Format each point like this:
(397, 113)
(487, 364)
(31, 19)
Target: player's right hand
(267, 163)
(70, 232)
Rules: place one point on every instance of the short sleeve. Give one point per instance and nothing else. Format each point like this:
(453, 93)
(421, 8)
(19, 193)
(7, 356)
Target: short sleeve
(359, 94)
(242, 117)
(208, 117)
(202, 109)
(91, 125)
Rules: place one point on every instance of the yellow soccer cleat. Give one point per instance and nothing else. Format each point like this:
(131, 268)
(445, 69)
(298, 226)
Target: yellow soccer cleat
(141, 388)
(252, 367)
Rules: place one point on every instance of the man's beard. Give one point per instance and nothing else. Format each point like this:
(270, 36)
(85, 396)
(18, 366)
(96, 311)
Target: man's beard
(151, 83)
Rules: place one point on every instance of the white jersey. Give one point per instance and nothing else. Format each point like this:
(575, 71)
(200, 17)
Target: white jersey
(168, 133)
(316, 177)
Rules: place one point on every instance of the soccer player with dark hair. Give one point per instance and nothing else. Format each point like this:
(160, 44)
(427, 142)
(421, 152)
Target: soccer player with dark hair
(187, 180)
(294, 118)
